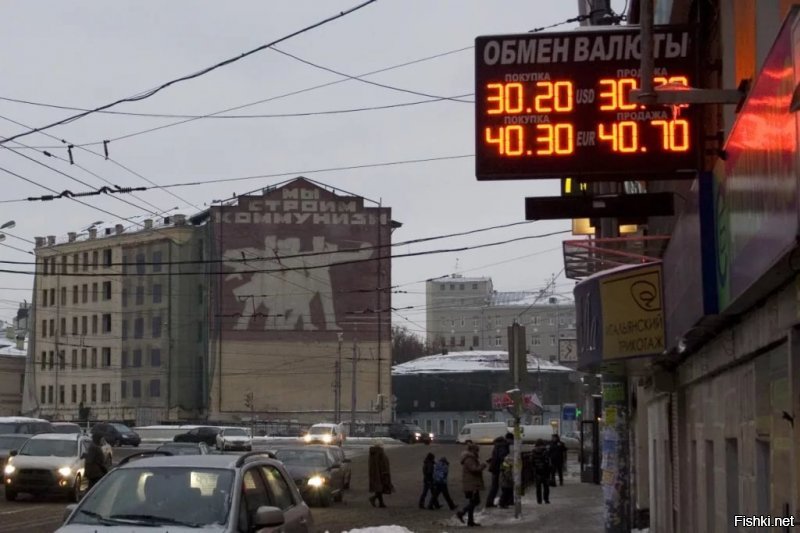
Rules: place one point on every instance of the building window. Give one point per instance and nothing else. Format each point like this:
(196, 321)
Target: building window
(475, 323)
(75, 263)
(453, 323)
(124, 359)
(561, 320)
(498, 341)
(475, 340)
(44, 267)
(52, 327)
(123, 389)
(84, 325)
(156, 261)
(137, 388)
(61, 395)
(139, 295)
(463, 341)
(107, 258)
(94, 357)
(452, 341)
(107, 323)
(85, 261)
(105, 392)
(124, 297)
(137, 358)
(44, 297)
(43, 395)
(462, 321)
(74, 325)
(157, 294)
(95, 259)
(83, 393)
(94, 393)
(461, 286)
(44, 328)
(441, 287)
(552, 340)
(74, 358)
(155, 357)
(452, 286)
(535, 340)
(156, 327)
(124, 329)
(138, 328)
(63, 329)
(62, 360)
(74, 394)
(85, 293)
(475, 286)
(63, 296)
(94, 292)
(106, 357)
(551, 321)
(52, 297)
(83, 357)
(155, 388)
(51, 360)
(140, 264)
(535, 320)
(49, 394)
(74, 294)
(94, 324)
(498, 322)
(106, 290)
(44, 360)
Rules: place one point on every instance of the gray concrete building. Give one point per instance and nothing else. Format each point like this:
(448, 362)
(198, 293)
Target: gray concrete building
(466, 313)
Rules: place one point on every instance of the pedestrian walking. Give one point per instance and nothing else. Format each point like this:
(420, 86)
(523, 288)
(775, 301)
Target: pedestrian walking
(472, 481)
(507, 482)
(502, 446)
(440, 472)
(380, 477)
(558, 460)
(541, 471)
(94, 462)
(427, 478)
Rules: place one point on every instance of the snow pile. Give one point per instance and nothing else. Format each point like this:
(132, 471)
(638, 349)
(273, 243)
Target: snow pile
(471, 361)
(381, 529)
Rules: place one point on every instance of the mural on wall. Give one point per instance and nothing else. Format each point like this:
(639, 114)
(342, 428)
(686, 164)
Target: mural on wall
(301, 259)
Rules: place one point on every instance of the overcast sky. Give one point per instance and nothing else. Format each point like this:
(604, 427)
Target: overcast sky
(88, 53)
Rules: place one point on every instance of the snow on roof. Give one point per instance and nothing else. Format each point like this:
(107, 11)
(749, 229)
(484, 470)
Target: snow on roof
(451, 279)
(471, 361)
(523, 299)
(12, 350)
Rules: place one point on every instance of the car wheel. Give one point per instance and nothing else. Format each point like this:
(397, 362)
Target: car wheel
(347, 483)
(136, 445)
(324, 498)
(339, 496)
(11, 495)
(76, 492)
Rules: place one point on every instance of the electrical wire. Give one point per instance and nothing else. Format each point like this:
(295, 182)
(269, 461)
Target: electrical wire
(151, 92)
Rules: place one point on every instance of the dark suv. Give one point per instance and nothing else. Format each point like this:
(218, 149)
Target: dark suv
(116, 434)
(201, 434)
(409, 433)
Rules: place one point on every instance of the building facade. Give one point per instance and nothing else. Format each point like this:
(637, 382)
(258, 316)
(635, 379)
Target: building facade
(468, 314)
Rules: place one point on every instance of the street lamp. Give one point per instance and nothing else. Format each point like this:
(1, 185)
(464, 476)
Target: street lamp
(3, 237)
(9, 224)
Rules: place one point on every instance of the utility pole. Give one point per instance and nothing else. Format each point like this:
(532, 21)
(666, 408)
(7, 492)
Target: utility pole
(353, 390)
(338, 383)
(518, 364)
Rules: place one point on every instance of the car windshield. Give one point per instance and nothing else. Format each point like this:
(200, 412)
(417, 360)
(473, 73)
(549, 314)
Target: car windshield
(301, 457)
(12, 442)
(181, 450)
(49, 447)
(122, 428)
(415, 428)
(162, 496)
(321, 430)
(67, 428)
(235, 432)
(9, 427)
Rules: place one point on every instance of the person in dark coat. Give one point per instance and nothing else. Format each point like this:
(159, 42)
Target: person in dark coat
(472, 481)
(427, 478)
(440, 472)
(380, 478)
(540, 462)
(502, 447)
(95, 461)
(558, 458)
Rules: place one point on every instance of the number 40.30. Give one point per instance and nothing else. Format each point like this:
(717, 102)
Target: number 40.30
(551, 139)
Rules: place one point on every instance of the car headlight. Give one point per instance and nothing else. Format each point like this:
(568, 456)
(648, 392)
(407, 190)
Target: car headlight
(326, 439)
(430, 435)
(316, 481)
(65, 471)
(307, 438)
(9, 469)
(418, 435)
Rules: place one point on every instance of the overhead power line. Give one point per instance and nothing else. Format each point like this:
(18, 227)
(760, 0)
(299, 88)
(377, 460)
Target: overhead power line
(151, 92)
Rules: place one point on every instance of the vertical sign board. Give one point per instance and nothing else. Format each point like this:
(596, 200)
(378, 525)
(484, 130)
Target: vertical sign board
(756, 196)
(588, 315)
(551, 105)
(517, 353)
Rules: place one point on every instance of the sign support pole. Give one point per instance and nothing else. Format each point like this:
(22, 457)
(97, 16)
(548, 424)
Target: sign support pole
(518, 364)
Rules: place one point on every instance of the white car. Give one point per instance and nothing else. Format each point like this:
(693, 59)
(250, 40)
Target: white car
(48, 463)
(234, 439)
(325, 433)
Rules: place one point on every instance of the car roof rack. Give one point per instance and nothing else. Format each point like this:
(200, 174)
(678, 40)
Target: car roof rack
(245, 456)
(126, 460)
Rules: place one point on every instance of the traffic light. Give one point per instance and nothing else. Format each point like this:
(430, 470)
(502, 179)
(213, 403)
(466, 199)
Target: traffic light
(578, 412)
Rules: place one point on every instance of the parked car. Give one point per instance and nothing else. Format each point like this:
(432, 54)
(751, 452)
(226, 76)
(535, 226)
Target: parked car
(338, 454)
(9, 443)
(218, 493)
(117, 434)
(234, 439)
(184, 448)
(47, 463)
(205, 434)
(24, 424)
(325, 433)
(66, 427)
(409, 433)
(315, 471)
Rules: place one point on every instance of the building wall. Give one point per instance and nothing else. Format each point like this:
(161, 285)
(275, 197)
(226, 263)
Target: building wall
(12, 373)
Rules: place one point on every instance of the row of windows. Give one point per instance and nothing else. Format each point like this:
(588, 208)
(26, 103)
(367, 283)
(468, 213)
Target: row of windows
(140, 259)
(49, 326)
(88, 359)
(499, 322)
(49, 264)
(80, 294)
(136, 358)
(138, 328)
(47, 392)
(461, 286)
(499, 340)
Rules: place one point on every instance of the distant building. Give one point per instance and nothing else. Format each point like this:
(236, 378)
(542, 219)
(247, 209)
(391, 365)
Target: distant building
(443, 392)
(12, 374)
(468, 314)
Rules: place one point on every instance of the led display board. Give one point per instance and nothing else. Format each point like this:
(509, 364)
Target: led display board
(555, 105)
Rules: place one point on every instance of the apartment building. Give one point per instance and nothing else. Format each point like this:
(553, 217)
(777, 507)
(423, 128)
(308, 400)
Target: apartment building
(118, 324)
(466, 313)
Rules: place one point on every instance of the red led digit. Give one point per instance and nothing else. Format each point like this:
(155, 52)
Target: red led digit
(628, 131)
(564, 139)
(542, 101)
(513, 97)
(495, 98)
(563, 101)
(605, 136)
(498, 139)
(513, 137)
